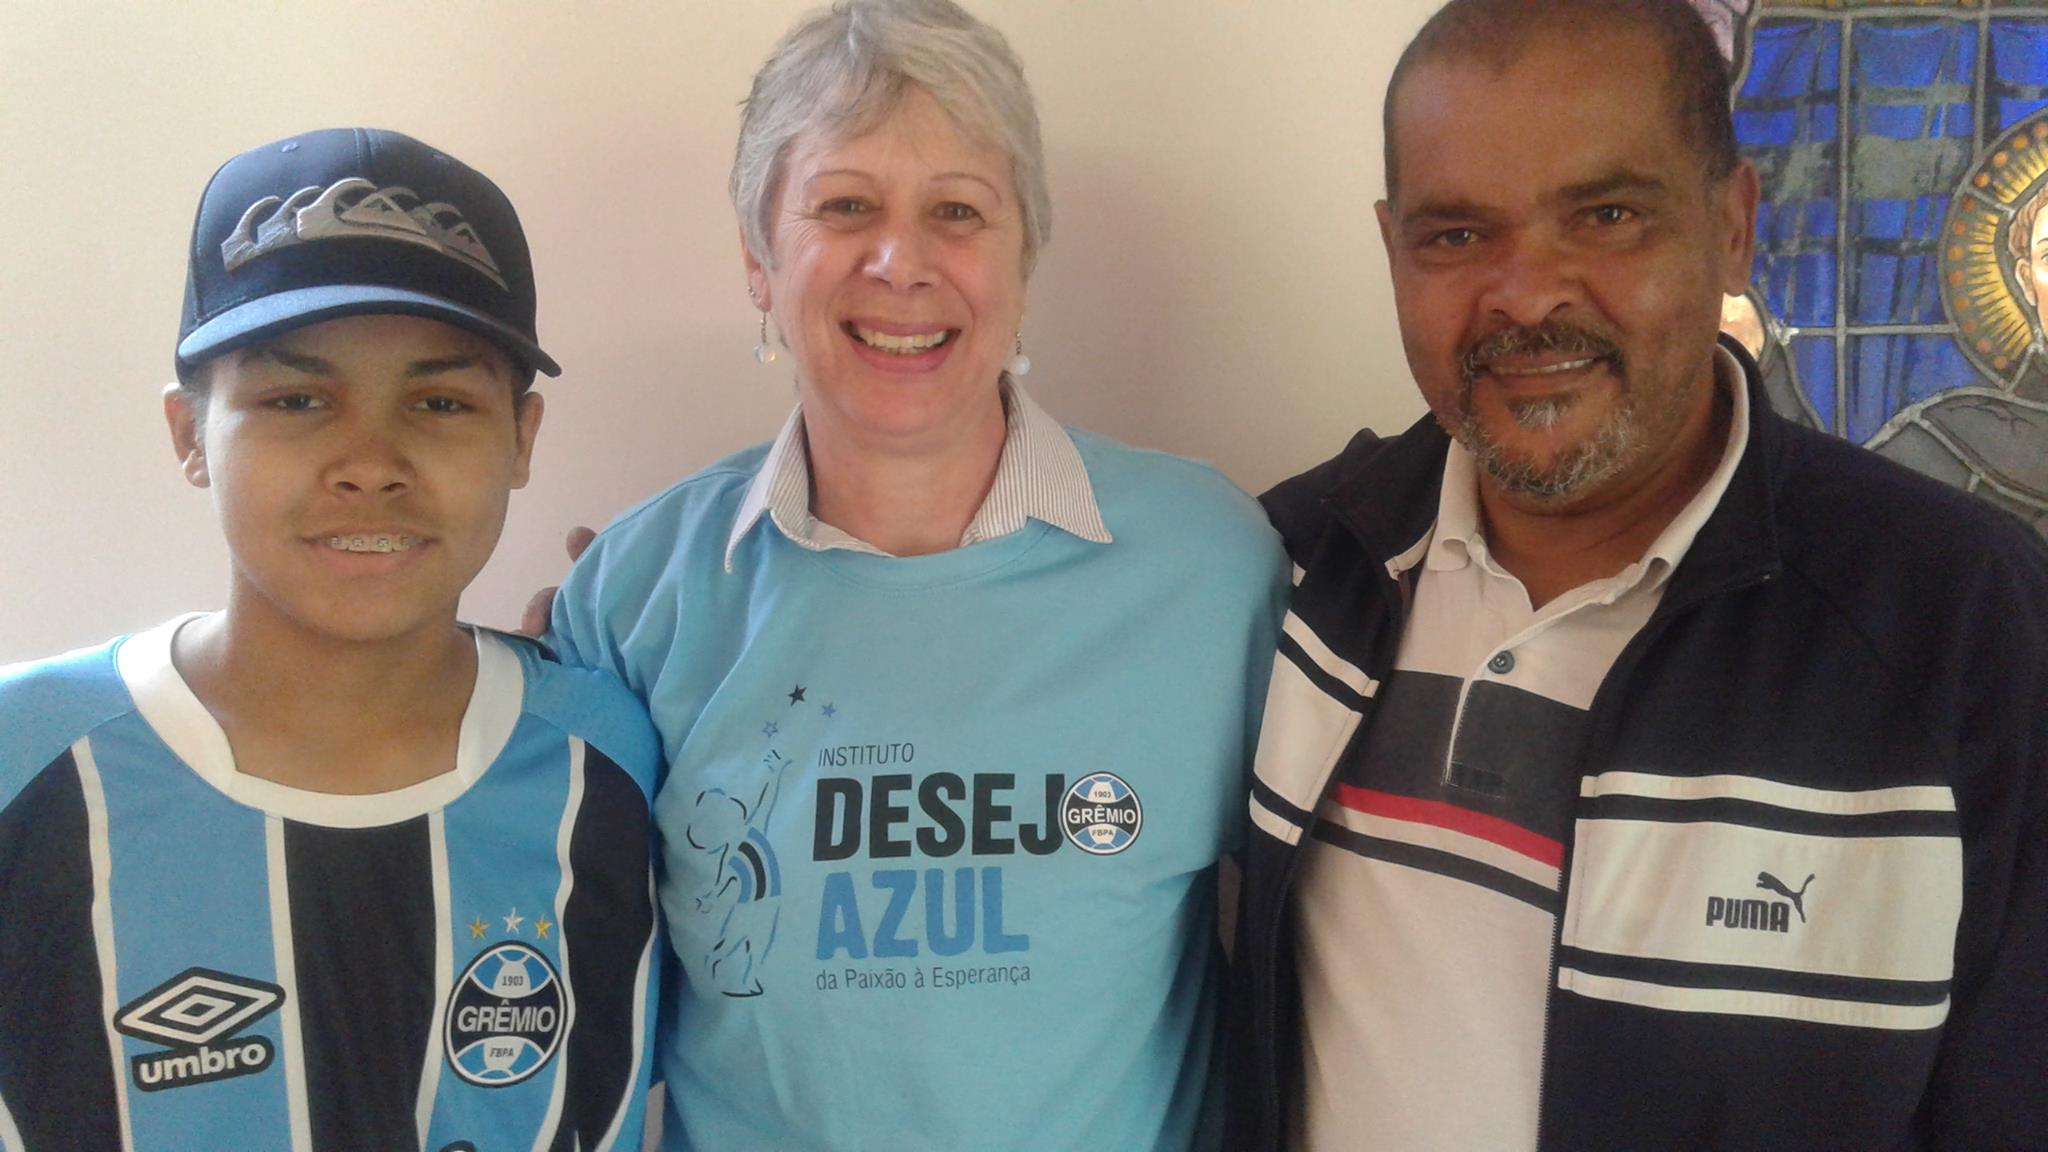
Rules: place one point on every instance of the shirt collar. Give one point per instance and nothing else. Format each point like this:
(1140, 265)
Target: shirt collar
(1671, 545)
(1459, 536)
(1040, 476)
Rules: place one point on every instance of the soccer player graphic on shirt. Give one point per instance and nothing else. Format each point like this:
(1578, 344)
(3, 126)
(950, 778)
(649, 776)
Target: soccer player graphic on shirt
(745, 890)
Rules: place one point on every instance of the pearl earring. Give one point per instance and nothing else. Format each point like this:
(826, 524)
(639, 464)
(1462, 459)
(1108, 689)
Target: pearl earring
(764, 353)
(1019, 364)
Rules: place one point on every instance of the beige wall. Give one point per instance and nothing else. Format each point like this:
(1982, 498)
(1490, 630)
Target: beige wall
(1215, 286)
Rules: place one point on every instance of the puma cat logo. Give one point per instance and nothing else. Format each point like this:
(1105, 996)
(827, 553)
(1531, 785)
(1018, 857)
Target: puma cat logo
(1767, 881)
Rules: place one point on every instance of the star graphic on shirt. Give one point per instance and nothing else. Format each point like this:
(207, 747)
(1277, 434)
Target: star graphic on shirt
(796, 696)
(477, 928)
(541, 928)
(770, 729)
(829, 711)
(513, 922)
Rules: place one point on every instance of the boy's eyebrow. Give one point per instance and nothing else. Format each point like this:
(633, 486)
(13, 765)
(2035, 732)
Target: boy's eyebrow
(315, 366)
(296, 361)
(439, 364)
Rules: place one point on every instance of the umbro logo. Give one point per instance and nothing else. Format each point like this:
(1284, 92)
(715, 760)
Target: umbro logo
(1760, 915)
(196, 1015)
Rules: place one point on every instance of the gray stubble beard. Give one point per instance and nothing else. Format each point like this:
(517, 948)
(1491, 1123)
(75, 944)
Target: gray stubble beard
(1590, 464)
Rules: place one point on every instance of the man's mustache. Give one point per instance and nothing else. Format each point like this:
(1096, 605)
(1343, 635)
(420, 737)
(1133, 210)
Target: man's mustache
(1551, 336)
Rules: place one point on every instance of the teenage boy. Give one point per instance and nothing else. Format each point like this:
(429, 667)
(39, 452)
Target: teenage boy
(328, 869)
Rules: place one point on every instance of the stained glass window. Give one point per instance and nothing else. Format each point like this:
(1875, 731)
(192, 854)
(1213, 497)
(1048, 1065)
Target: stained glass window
(1898, 143)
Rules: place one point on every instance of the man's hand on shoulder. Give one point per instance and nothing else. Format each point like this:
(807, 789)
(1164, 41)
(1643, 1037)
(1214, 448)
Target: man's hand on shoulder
(534, 620)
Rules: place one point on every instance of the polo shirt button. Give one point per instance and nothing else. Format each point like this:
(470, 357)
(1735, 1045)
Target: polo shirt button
(1501, 664)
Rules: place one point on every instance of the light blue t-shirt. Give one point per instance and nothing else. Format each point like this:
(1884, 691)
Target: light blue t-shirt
(939, 832)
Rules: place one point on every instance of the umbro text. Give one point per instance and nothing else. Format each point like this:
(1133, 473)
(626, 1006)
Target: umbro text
(179, 1067)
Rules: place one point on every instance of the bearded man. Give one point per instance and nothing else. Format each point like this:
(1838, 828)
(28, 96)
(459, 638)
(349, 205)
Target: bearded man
(1639, 769)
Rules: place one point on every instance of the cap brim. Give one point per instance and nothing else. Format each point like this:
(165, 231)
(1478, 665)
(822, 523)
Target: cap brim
(268, 316)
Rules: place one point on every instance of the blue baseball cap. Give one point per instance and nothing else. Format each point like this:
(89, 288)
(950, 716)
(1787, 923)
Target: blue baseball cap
(351, 222)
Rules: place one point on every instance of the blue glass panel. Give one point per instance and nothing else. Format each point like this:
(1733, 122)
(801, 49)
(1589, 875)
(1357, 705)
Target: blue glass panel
(2016, 79)
(1897, 265)
(1888, 373)
(1898, 121)
(2019, 51)
(1815, 358)
(1767, 125)
(1913, 80)
(2011, 112)
(1915, 53)
(1792, 58)
(1786, 119)
(1795, 260)
(1885, 218)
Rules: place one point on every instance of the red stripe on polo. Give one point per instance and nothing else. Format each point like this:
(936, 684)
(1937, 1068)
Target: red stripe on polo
(1439, 814)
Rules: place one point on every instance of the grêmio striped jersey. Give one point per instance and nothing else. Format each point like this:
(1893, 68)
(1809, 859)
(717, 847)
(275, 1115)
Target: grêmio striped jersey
(196, 959)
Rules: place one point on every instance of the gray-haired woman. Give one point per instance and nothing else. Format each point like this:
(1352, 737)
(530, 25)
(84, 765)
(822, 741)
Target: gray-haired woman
(956, 701)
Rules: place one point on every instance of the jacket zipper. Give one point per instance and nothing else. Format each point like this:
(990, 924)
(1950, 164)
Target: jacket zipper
(1272, 1124)
(1623, 668)
(1564, 882)
(1269, 1061)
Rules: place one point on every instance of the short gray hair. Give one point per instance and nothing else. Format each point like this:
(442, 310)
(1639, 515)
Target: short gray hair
(843, 70)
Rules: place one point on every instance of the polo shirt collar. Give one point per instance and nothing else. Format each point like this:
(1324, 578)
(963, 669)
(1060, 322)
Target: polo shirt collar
(1675, 541)
(1040, 476)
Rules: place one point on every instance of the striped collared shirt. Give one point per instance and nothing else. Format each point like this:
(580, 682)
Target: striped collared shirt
(1040, 477)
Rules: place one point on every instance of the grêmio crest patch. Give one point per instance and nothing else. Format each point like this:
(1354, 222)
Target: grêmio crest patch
(506, 1016)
